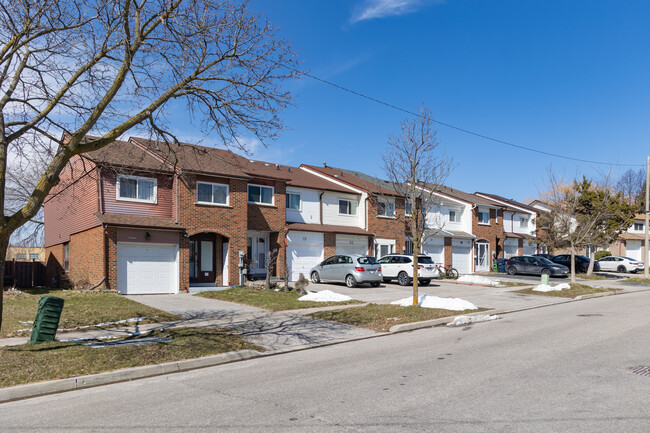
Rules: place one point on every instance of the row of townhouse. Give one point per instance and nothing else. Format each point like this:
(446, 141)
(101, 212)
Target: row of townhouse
(141, 216)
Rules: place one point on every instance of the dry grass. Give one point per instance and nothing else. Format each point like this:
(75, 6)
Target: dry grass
(591, 277)
(79, 309)
(514, 283)
(380, 317)
(575, 290)
(268, 299)
(55, 360)
(637, 280)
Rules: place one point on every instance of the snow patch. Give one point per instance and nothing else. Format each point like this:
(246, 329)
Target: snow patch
(98, 325)
(430, 301)
(476, 279)
(468, 320)
(547, 288)
(324, 296)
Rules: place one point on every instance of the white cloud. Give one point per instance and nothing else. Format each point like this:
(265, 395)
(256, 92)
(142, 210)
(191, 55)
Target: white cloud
(371, 9)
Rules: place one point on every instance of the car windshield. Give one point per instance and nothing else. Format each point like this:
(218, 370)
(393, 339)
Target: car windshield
(627, 258)
(367, 260)
(425, 259)
(545, 261)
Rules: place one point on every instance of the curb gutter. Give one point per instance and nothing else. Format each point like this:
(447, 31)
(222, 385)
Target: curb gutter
(403, 327)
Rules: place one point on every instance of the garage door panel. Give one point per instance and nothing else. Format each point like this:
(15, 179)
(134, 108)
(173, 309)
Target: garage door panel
(147, 269)
(436, 252)
(304, 251)
(634, 250)
(351, 244)
(460, 259)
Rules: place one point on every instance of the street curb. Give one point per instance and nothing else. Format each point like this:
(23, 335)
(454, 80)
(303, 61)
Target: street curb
(404, 327)
(597, 295)
(73, 383)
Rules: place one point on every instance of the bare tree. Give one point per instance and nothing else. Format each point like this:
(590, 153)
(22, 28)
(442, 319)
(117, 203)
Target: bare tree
(582, 214)
(416, 168)
(69, 69)
(631, 185)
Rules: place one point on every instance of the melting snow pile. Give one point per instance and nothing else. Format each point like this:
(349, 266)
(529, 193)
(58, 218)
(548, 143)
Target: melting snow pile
(468, 320)
(324, 296)
(476, 279)
(547, 288)
(430, 301)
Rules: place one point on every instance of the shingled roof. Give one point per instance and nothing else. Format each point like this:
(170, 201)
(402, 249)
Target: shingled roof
(124, 154)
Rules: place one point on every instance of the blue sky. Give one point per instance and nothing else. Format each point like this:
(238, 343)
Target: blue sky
(567, 77)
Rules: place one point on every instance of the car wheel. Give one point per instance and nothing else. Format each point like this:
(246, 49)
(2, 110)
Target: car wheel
(546, 272)
(512, 270)
(621, 268)
(350, 281)
(425, 282)
(374, 284)
(315, 278)
(403, 279)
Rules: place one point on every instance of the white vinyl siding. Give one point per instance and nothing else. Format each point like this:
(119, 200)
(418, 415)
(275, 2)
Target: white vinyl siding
(309, 212)
(136, 188)
(331, 214)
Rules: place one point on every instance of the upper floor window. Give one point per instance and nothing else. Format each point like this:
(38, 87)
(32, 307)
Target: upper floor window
(454, 216)
(136, 188)
(386, 208)
(21, 256)
(293, 201)
(347, 207)
(260, 194)
(638, 227)
(213, 193)
(523, 222)
(483, 216)
(408, 208)
(33, 256)
(66, 256)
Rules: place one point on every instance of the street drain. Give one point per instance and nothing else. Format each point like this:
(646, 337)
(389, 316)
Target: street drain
(641, 370)
(590, 315)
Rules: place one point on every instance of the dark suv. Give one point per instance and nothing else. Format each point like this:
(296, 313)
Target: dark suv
(535, 266)
(582, 262)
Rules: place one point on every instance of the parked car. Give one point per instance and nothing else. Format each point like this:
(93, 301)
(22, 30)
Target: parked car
(582, 262)
(620, 264)
(351, 269)
(400, 267)
(546, 256)
(535, 266)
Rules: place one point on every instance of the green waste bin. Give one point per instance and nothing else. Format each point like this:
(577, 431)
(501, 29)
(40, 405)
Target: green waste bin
(47, 319)
(495, 266)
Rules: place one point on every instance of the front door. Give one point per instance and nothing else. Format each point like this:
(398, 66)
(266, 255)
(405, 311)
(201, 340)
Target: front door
(202, 260)
(481, 259)
(257, 251)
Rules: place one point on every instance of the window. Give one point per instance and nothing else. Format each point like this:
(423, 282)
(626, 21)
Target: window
(408, 246)
(454, 216)
(386, 208)
(21, 256)
(260, 194)
(293, 201)
(483, 216)
(523, 222)
(213, 193)
(638, 227)
(33, 256)
(66, 256)
(408, 208)
(135, 188)
(347, 207)
(331, 261)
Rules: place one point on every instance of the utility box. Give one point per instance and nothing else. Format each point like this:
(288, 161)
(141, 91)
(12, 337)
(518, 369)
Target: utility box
(545, 279)
(47, 319)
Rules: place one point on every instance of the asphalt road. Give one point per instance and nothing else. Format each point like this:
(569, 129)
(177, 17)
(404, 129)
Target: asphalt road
(559, 368)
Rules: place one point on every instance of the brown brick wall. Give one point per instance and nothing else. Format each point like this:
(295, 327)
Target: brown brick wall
(271, 219)
(110, 246)
(329, 243)
(53, 265)
(87, 255)
(492, 233)
(388, 228)
(447, 250)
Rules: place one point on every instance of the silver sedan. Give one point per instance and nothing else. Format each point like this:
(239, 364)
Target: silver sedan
(351, 269)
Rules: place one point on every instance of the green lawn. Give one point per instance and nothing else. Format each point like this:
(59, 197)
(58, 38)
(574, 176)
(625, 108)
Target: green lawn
(268, 299)
(380, 317)
(55, 360)
(79, 309)
(575, 290)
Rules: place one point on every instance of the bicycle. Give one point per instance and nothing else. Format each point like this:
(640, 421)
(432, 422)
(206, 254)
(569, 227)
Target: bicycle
(449, 271)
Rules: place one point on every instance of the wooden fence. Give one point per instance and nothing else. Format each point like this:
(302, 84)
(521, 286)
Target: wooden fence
(24, 274)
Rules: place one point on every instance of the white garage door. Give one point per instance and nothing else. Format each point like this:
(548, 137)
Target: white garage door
(436, 252)
(633, 250)
(351, 244)
(460, 259)
(147, 269)
(304, 251)
(511, 248)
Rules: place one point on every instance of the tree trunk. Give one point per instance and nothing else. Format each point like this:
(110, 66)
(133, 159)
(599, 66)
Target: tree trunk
(573, 264)
(592, 254)
(416, 249)
(3, 253)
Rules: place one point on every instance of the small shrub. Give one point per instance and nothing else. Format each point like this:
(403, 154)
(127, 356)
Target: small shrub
(301, 284)
(77, 279)
(600, 254)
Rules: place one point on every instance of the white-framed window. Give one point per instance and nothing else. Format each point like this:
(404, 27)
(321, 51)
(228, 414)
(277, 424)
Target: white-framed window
(638, 227)
(347, 207)
(408, 246)
(212, 193)
(66, 256)
(484, 216)
(408, 207)
(523, 222)
(33, 256)
(454, 216)
(21, 256)
(386, 208)
(137, 188)
(260, 194)
(293, 201)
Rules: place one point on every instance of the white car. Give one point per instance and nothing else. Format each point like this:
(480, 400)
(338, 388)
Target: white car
(620, 264)
(400, 267)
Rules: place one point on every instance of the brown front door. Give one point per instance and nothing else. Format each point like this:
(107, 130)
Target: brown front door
(202, 259)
